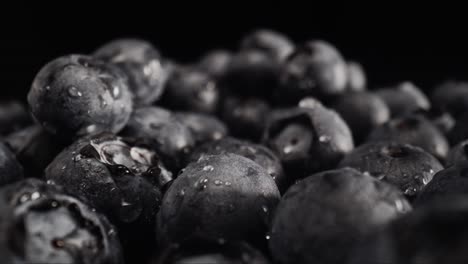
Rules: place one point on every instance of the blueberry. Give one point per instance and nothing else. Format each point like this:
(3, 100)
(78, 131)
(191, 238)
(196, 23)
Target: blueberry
(357, 80)
(258, 153)
(79, 95)
(35, 148)
(363, 112)
(204, 128)
(458, 154)
(408, 168)
(160, 128)
(442, 119)
(189, 89)
(452, 96)
(146, 70)
(13, 116)
(315, 68)
(10, 169)
(307, 139)
(218, 252)
(404, 99)
(273, 43)
(215, 63)
(452, 181)
(49, 226)
(251, 73)
(320, 218)
(240, 113)
(415, 130)
(433, 234)
(222, 197)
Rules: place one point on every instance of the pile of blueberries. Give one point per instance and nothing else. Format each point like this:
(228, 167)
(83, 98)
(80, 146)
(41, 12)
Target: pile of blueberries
(276, 153)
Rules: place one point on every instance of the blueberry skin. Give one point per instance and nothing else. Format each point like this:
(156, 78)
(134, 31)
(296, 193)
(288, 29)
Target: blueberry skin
(307, 139)
(215, 62)
(255, 152)
(451, 96)
(227, 252)
(49, 226)
(271, 42)
(204, 128)
(458, 154)
(407, 167)
(190, 89)
(320, 218)
(13, 116)
(453, 181)
(415, 130)
(362, 112)
(436, 233)
(10, 169)
(169, 136)
(79, 95)
(356, 76)
(315, 68)
(241, 113)
(35, 148)
(404, 99)
(144, 66)
(222, 197)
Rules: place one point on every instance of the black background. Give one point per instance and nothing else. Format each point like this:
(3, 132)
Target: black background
(423, 48)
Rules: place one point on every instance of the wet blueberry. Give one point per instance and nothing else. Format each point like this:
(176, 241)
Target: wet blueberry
(10, 169)
(189, 89)
(79, 95)
(215, 63)
(363, 112)
(322, 217)
(48, 226)
(222, 197)
(357, 80)
(258, 153)
(13, 116)
(272, 43)
(408, 168)
(166, 133)
(415, 130)
(403, 99)
(204, 128)
(308, 138)
(146, 70)
(315, 68)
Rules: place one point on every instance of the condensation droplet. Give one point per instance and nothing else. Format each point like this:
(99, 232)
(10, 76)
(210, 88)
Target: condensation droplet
(115, 91)
(35, 196)
(288, 149)
(111, 232)
(24, 198)
(182, 192)
(124, 203)
(265, 208)
(74, 92)
(218, 182)
(208, 168)
(324, 138)
(227, 183)
(64, 167)
(267, 237)
(51, 182)
(54, 204)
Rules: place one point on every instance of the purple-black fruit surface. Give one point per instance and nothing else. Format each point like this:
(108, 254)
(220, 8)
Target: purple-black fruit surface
(322, 217)
(205, 128)
(146, 70)
(413, 129)
(404, 99)
(308, 138)
(77, 95)
(222, 197)
(458, 154)
(407, 167)
(271, 42)
(215, 63)
(258, 153)
(10, 169)
(49, 226)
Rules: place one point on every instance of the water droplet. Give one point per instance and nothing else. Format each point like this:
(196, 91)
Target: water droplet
(64, 167)
(111, 232)
(425, 180)
(208, 168)
(410, 191)
(182, 192)
(204, 187)
(218, 182)
(77, 158)
(91, 129)
(431, 171)
(267, 237)
(205, 181)
(265, 208)
(24, 197)
(115, 91)
(74, 92)
(366, 173)
(124, 203)
(324, 138)
(288, 149)
(54, 204)
(51, 182)
(35, 196)
(227, 183)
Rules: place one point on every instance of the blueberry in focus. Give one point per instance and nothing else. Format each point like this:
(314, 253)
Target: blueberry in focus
(458, 154)
(13, 116)
(357, 80)
(223, 197)
(245, 117)
(272, 43)
(144, 66)
(189, 89)
(404, 99)
(415, 130)
(308, 138)
(407, 167)
(315, 68)
(49, 226)
(322, 217)
(212, 252)
(362, 112)
(161, 129)
(215, 62)
(436, 234)
(258, 153)
(10, 169)
(79, 95)
(204, 128)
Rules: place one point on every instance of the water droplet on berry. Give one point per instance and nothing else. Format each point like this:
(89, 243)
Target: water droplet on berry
(265, 208)
(51, 182)
(74, 92)
(208, 168)
(35, 196)
(227, 183)
(116, 92)
(218, 182)
(324, 139)
(24, 197)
